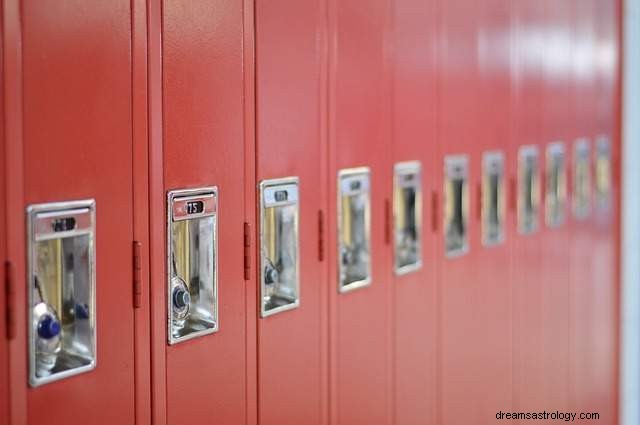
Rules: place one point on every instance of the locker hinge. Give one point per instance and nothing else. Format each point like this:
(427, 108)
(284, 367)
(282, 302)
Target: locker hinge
(247, 251)
(434, 211)
(320, 236)
(387, 222)
(137, 275)
(10, 300)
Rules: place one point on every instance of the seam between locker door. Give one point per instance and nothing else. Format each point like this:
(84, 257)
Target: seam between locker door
(254, 196)
(438, 251)
(390, 64)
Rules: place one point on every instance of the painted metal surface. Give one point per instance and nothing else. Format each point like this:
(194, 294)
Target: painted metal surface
(141, 101)
(462, 330)
(553, 277)
(606, 246)
(292, 345)
(5, 332)
(584, 304)
(492, 288)
(76, 141)
(414, 139)
(359, 127)
(13, 166)
(125, 101)
(527, 303)
(202, 102)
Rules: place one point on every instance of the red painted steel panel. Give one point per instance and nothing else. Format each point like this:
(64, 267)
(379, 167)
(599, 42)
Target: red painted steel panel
(583, 303)
(12, 91)
(203, 89)
(605, 242)
(528, 366)
(4, 331)
(462, 383)
(553, 276)
(292, 366)
(490, 286)
(77, 145)
(157, 217)
(414, 110)
(359, 130)
(251, 293)
(140, 103)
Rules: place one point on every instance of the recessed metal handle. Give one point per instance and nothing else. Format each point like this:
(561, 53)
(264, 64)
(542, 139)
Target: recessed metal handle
(192, 263)
(62, 288)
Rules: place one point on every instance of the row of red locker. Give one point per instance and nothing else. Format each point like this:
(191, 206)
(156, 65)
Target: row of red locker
(175, 271)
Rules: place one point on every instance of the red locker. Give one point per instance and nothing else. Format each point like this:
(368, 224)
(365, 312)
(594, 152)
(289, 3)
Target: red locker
(606, 234)
(493, 286)
(555, 147)
(199, 299)
(74, 109)
(414, 140)
(529, 393)
(583, 345)
(4, 353)
(291, 159)
(13, 221)
(360, 300)
(462, 395)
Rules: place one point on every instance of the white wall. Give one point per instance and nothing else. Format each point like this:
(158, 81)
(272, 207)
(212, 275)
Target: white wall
(630, 294)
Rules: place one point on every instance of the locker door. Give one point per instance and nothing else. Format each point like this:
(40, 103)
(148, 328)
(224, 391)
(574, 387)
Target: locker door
(606, 214)
(290, 158)
(461, 332)
(360, 300)
(528, 366)
(491, 216)
(414, 280)
(583, 286)
(555, 139)
(204, 375)
(4, 354)
(76, 88)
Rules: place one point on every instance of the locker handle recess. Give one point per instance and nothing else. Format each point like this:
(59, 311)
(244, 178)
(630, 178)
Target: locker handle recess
(528, 189)
(354, 260)
(279, 245)
(581, 179)
(192, 263)
(62, 289)
(407, 216)
(493, 198)
(603, 174)
(456, 205)
(555, 184)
